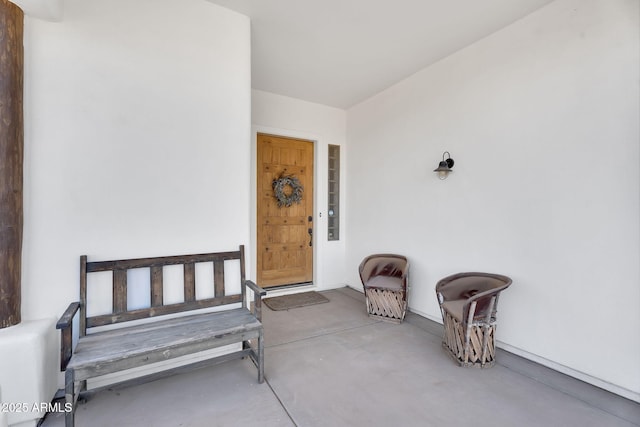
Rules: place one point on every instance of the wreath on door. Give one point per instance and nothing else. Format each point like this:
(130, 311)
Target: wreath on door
(287, 190)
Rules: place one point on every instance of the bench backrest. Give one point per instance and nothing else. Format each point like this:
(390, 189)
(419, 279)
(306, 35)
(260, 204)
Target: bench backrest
(119, 268)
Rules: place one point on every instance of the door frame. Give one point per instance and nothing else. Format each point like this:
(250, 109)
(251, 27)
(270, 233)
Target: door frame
(319, 200)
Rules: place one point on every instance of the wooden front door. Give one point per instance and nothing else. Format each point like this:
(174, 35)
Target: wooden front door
(284, 233)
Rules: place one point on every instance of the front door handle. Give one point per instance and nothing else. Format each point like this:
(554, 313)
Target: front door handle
(310, 230)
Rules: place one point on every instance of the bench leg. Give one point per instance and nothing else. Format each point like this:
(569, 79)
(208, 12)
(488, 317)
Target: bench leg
(261, 358)
(69, 396)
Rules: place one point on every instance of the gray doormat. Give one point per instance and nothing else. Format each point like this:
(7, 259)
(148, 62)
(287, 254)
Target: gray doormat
(302, 299)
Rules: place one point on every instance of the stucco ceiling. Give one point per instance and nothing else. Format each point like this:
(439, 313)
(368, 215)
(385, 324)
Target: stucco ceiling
(341, 52)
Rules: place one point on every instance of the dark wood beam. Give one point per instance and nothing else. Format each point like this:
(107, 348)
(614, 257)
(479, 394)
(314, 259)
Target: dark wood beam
(11, 159)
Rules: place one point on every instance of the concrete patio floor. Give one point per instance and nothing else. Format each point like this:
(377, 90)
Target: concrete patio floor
(332, 365)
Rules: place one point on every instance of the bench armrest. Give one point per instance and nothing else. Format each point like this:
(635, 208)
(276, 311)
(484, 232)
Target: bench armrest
(258, 293)
(66, 320)
(65, 324)
(255, 288)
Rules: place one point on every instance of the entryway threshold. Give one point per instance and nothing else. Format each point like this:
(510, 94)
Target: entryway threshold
(295, 288)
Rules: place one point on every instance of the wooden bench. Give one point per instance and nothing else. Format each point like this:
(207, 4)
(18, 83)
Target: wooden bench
(168, 335)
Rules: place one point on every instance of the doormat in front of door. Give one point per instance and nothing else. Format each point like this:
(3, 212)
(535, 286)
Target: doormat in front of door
(302, 299)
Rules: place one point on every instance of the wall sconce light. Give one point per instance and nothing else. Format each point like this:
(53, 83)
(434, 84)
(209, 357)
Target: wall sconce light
(444, 167)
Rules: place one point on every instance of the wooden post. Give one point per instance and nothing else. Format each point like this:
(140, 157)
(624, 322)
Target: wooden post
(11, 155)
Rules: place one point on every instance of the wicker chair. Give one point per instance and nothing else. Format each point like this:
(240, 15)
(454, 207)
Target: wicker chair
(385, 281)
(468, 302)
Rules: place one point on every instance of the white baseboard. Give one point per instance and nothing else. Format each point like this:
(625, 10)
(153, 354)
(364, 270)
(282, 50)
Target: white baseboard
(427, 316)
(613, 388)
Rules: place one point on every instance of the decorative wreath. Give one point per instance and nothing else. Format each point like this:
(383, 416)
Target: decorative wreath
(294, 196)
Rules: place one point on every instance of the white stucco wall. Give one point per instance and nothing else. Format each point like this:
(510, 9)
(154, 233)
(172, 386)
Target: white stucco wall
(28, 366)
(137, 143)
(285, 116)
(137, 133)
(542, 119)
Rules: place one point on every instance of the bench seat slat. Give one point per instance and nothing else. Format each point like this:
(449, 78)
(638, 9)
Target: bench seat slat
(109, 351)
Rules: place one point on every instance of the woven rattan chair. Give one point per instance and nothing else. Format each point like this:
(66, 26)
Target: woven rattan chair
(468, 302)
(385, 281)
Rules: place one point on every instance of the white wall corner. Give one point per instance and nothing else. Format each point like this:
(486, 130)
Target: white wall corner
(48, 10)
(28, 370)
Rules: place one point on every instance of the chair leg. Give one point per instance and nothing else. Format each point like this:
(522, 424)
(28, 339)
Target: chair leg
(70, 398)
(261, 358)
(486, 327)
(467, 332)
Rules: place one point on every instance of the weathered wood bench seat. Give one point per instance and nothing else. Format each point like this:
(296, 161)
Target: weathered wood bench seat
(136, 344)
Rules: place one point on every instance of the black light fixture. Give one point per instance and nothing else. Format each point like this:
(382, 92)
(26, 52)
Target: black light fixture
(444, 167)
